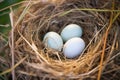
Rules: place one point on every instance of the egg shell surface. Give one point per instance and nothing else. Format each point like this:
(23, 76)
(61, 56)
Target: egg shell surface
(71, 31)
(53, 40)
(73, 47)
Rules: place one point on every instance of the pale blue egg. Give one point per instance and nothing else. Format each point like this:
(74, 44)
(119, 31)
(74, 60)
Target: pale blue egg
(71, 31)
(53, 40)
(73, 47)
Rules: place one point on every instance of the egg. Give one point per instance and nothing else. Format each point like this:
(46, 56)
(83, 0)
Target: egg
(53, 40)
(73, 47)
(71, 31)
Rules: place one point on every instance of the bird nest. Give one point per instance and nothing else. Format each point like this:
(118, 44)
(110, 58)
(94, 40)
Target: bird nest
(100, 23)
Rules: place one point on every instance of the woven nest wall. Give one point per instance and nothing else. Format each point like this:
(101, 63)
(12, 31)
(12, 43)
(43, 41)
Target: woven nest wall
(100, 32)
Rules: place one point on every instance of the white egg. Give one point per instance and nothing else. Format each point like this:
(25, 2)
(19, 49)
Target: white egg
(71, 31)
(73, 47)
(53, 40)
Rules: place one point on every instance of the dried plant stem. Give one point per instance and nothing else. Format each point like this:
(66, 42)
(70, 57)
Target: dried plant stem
(12, 46)
(88, 9)
(104, 44)
(12, 41)
(11, 69)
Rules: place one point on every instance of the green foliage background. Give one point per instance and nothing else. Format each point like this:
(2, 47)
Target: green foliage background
(4, 15)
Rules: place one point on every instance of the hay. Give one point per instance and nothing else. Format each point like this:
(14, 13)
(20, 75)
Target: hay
(43, 63)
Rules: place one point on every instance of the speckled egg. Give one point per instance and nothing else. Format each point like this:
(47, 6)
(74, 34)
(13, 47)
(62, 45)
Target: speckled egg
(71, 31)
(53, 40)
(73, 47)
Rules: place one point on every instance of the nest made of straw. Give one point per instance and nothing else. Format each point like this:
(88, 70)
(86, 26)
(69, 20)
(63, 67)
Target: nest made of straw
(99, 33)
